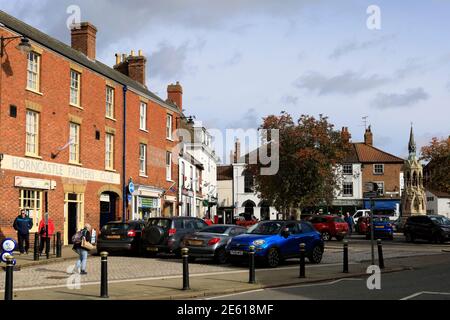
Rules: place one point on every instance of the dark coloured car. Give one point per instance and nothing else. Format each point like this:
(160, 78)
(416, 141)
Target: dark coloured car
(165, 235)
(330, 227)
(382, 228)
(211, 241)
(120, 237)
(275, 241)
(433, 228)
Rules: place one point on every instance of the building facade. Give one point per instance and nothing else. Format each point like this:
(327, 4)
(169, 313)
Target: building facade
(74, 132)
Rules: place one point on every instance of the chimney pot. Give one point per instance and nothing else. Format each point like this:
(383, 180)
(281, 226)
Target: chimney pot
(368, 136)
(132, 53)
(140, 53)
(175, 94)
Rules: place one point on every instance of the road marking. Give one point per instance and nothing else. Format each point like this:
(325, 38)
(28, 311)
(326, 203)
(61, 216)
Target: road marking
(283, 287)
(175, 277)
(425, 292)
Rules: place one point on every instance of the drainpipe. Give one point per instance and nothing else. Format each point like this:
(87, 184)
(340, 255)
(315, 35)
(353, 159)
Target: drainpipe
(124, 158)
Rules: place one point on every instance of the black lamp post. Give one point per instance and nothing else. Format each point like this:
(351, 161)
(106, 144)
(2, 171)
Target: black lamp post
(24, 45)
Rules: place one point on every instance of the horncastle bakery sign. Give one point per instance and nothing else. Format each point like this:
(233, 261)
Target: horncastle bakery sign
(59, 170)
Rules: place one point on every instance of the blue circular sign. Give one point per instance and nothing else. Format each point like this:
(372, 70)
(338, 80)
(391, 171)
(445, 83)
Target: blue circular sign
(4, 255)
(131, 187)
(9, 245)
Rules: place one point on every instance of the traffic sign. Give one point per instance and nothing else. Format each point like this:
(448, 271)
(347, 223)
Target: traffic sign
(130, 198)
(8, 245)
(372, 194)
(131, 187)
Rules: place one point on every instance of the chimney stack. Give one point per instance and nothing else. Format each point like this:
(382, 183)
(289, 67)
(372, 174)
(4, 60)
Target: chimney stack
(368, 137)
(175, 94)
(345, 135)
(237, 151)
(132, 66)
(84, 39)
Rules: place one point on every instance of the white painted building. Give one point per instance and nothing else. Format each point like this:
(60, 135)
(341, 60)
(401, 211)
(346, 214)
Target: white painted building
(189, 177)
(201, 150)
(438, 203)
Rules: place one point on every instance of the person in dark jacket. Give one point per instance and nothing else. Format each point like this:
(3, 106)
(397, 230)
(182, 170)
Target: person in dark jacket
(351, 222)
(81, 263)
(23, 224)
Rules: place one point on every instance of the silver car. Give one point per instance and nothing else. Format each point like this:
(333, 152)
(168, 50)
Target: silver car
(211, 241)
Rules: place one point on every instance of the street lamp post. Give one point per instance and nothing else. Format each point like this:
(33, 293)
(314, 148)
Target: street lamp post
(24, 45)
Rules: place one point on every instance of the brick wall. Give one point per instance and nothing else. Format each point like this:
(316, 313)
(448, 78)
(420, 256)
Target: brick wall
(391, 176)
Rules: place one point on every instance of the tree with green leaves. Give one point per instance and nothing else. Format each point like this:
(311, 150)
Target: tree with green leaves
(310, 150)
(437, 153)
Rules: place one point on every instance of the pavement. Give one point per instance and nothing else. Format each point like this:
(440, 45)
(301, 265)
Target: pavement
(27, 260)
(142, 278)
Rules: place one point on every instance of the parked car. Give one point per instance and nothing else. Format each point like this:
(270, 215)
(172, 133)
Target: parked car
(276, 241)
(330, 227)
(118, 237)
(211, 242)
(382, 228)
(434, 228)
(398, 225)
(166, 234)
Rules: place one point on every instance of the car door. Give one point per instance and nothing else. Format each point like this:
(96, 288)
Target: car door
(307, 235)
(289, 246)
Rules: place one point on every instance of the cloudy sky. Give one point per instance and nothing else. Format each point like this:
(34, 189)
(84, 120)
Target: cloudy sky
(239, 60)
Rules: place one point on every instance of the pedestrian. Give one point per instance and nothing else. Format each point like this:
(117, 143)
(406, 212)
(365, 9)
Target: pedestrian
(22, 224)
(80, 265)
(44, 235)
(350, 221)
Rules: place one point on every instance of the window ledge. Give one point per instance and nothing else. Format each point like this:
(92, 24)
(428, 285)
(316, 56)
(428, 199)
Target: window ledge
(75, 164)
(34, 91)
(110, 170)
(144, 130)
(112, 119)
(143, 175)
(170, 139)
(33, 156)
(75, 106)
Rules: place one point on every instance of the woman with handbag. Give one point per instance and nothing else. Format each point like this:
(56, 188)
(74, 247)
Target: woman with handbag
(82, 247)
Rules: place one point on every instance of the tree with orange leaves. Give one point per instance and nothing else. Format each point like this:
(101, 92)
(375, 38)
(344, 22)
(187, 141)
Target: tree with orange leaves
(310, 150)
(437, 153)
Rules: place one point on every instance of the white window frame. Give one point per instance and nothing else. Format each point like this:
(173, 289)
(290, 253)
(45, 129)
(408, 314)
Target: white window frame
(343, 189)
(375, 169)
(346, 173)
(74, 147)
(110, 95)
(168, 166)
(380, 186)
(33, 71)
(143, 116)
(169, 127)
(32, 133)
(109, 151)
(32, 200)
(142, 159)
(75, 85)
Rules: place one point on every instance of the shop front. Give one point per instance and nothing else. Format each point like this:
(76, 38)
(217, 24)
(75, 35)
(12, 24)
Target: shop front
(146, 202)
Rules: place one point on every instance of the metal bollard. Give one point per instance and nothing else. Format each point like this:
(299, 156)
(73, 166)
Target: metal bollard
(9, 278)
(380, 254)
(185, 257)
(36, 247)
(47, 247)
(251, 265)
(54, 244)
(58, 245)
(345, 256)
(104, 275)
(302, 261)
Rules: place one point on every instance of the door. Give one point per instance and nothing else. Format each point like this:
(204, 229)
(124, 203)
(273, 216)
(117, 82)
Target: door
(291, 246)
(72, 218)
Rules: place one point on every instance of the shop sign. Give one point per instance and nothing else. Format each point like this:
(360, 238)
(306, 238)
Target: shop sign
(151, 203)
(31, 183)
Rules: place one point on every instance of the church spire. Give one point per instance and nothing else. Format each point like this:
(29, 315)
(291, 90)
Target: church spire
(412, 143)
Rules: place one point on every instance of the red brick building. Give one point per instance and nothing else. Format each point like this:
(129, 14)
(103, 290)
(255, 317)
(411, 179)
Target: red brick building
(62, 136)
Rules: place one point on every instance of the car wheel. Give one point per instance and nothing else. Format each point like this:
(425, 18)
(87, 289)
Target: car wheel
(339, 238)
(221, 256)
(409, 237)
(326, 236)
(273, 258)
(437, 239)
(316, 255)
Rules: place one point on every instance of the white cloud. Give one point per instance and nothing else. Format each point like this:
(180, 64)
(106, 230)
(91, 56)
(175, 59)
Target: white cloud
(396, 100)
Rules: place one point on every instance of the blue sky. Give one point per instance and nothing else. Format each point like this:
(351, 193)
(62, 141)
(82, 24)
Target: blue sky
(240, 60)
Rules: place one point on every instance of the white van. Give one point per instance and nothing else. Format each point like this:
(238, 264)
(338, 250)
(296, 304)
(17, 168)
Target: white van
(360, 214)
(392, 214)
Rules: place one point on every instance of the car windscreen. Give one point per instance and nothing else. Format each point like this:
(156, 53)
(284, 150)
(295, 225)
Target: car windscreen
(116, 228)
(164, 223)
(442, 221)
(215, 229)
(267, 228)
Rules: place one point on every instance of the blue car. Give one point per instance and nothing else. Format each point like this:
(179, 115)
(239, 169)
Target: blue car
(275, 241)
(383, 228)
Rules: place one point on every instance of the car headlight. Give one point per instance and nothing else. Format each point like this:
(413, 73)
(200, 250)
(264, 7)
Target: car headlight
(259, 242)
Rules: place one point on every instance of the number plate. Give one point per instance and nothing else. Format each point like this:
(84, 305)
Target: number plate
(152, 249)
(195, 242)
(113, 237)
(379, 227)
(236, 253)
